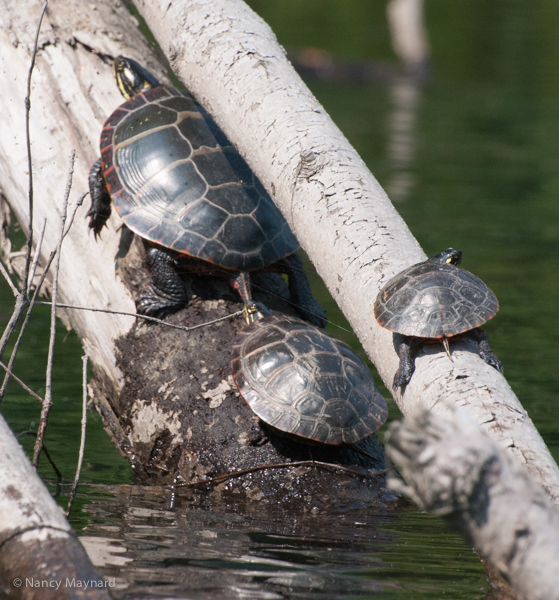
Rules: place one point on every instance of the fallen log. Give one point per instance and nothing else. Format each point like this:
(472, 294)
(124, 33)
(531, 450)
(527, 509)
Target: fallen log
(165, 394)
(230, 59)
(40, 555)
(452, 467)
(332, 202)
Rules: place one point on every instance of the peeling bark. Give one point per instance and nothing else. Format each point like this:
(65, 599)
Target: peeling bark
(453, 468)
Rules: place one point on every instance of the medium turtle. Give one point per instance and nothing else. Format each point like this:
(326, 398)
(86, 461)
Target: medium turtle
(436, 301)
(177, 182)
(303, 382)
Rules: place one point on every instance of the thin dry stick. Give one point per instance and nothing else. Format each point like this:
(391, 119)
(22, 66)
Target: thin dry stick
(37, 255)
(145, 317)
(85, 358)
(53, 464)
(25, 289)
(38, 288)
(26, 320)
(47, 405)
(25, 387)
(9, 280)
(300, 463)
(22, 299)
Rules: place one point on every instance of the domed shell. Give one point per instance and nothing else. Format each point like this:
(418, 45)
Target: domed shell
(434, 299)
(177, 181)
(304, 382)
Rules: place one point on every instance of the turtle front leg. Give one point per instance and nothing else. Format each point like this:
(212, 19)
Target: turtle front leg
(406, 353)
(100, 209)
(484, 349)
(300, 291)
(166, 293)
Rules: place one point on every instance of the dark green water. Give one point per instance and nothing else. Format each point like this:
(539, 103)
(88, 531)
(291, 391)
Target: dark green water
(478, 170)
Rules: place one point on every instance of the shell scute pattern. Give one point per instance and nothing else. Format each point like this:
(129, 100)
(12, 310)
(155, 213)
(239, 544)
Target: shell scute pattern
(165, 160)
(300, 380)
(434, 299)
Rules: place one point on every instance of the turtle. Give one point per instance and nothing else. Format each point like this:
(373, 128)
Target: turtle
(178, 183)
(305, 383)
(434, 300)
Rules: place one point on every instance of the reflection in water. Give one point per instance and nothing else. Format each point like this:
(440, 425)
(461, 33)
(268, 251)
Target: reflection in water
(409, 40)
(185, 547)
(405, 95)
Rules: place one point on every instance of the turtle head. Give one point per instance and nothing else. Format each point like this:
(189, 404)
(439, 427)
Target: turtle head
(450, 256)
(131, 77)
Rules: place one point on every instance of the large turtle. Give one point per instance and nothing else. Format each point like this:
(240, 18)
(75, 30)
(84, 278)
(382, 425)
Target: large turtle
(303, 382)
(436, 301)
(178, 183)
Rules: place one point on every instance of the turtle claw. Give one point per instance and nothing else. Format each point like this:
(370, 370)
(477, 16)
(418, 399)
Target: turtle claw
(152, 304)
(484, 349)
(166, 294)
(407, 362)
(490, 357)
(403, 375)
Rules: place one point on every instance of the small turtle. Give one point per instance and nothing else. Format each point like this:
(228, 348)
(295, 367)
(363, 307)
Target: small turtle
(436, 301)
(305, 383)
(178, 183)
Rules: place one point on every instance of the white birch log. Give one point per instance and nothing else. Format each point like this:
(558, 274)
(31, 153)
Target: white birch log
(453, 468)
(72, 94)
(230, 59)
(36, 541)
(161, 409)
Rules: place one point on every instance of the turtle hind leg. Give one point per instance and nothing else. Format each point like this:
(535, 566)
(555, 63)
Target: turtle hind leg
(100, 209)
(166, 293)
(300, 291)
(484, 349)
(406, 353)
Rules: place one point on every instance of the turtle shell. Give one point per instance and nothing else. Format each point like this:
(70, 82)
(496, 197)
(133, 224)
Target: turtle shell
(304, 382)
(433, 299)
(177, 181)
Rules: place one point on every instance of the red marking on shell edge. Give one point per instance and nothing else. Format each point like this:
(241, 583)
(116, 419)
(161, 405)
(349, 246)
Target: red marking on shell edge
(438, 337)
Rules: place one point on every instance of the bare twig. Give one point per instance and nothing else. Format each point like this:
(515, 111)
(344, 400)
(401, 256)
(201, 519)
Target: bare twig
(22, 300)
(145, 317)
(73, 215)
(23, 385)
(25, 289)
(36, 293)
(18, 309)
(300, 463)
(47, 404)
(9, 280)
(37, 255)
(85, 358)
(53, 464)
(28, 314)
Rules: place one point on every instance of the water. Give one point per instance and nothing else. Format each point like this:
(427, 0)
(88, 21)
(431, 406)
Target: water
(470, 161)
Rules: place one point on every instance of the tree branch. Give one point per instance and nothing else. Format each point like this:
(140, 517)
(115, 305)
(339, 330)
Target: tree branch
(47, 404)
(453, 468)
